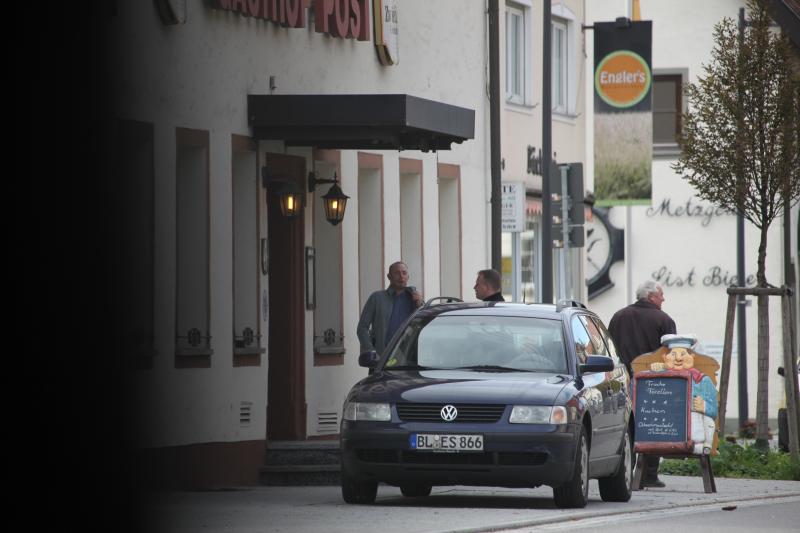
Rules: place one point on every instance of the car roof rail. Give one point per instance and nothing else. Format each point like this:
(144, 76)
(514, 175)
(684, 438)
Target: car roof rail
(562, 304)
(449, 299)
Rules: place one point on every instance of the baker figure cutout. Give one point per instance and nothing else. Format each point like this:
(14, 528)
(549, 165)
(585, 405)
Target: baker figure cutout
(704, 394)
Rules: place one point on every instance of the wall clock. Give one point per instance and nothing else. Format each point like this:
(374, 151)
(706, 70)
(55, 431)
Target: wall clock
(605, 245)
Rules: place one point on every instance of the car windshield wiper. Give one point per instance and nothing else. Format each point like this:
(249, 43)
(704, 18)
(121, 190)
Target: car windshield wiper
(492, 368)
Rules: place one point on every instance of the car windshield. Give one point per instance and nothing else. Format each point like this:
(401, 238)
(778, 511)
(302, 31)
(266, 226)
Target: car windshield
(480, 342)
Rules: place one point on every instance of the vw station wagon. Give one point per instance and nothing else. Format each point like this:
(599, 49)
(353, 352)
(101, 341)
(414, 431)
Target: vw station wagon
(491, 394)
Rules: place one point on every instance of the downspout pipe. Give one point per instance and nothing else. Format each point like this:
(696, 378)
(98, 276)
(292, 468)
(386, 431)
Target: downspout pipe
(547, 158)
(494, 133)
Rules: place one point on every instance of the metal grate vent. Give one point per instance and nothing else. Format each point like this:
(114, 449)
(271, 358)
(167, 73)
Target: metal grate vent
(245, 409)
(431, 412)
(327, 422)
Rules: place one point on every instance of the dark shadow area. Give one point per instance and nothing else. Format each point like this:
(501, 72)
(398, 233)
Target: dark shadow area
(469, 502)
(88, 478)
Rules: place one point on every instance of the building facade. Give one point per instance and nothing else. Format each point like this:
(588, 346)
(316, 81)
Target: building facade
(521, 68)
(681, 241)
(241, 321)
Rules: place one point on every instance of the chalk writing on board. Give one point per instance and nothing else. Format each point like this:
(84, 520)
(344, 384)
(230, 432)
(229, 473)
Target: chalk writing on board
(661, 410)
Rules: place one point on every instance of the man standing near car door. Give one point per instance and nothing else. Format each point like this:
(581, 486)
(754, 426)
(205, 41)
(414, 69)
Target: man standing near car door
(488, 286)
(637, 329)
(386, 310)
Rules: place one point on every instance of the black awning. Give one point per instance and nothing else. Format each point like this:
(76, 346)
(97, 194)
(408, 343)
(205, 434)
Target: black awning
(359, 121)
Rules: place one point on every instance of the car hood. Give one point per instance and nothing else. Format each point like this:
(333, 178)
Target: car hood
(461, 386)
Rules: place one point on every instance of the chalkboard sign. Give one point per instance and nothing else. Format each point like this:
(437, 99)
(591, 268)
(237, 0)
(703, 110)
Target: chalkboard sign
(662, 402)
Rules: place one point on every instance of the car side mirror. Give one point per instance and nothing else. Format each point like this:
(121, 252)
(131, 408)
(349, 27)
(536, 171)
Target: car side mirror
(368, 359)
(596, 363)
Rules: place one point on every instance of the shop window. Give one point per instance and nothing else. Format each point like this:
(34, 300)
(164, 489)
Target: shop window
(192, 317)
(529, 266)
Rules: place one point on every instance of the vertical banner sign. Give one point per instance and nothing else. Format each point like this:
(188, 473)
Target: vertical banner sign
(623, 118)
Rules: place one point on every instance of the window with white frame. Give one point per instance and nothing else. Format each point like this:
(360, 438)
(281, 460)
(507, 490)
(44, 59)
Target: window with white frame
(564, 44)
(560, 73)
(517, 64)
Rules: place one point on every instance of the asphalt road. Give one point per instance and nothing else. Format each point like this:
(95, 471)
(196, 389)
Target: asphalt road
(781, 514)
(453, 509)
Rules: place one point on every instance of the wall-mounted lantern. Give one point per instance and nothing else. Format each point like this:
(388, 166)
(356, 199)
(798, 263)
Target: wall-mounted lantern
(290, 195)
(292, 198)
(335, 201)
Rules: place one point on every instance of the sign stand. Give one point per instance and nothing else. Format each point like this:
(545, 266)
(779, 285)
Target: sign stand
(663, 417)
(705, 468)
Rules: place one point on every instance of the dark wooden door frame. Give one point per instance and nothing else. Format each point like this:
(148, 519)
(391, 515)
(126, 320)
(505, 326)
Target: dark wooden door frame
(286, 409)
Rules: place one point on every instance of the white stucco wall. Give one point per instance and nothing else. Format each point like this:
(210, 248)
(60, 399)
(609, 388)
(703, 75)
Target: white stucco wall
(522, 124)
(198, 75)
(682, 39)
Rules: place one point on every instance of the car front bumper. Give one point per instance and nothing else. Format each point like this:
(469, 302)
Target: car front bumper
(513, 456)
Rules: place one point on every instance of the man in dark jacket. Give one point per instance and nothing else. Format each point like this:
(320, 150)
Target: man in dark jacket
(636, 330)
(387, 309)
(487, 286)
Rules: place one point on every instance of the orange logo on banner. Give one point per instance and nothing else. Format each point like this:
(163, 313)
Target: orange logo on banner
(622, 79)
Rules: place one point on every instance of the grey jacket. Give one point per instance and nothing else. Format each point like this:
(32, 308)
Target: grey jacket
(375, 319)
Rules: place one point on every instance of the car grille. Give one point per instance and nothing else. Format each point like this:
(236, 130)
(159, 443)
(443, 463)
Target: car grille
(430, 458)
(467, 413)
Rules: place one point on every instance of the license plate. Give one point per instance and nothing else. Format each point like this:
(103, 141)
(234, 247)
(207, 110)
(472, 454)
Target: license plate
(446, 443)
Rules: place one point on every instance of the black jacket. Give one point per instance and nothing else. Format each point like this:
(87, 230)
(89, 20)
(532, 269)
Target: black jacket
(496, 297)
(637, 329)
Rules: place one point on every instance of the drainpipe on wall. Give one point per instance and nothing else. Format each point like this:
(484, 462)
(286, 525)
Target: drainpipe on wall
(494, 132)
(547, 157)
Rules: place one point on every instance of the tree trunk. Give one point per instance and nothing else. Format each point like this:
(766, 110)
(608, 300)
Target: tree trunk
(762, 398)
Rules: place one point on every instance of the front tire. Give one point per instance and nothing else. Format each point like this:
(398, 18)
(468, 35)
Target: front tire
(575, 492)
(354, 491)
(414, 490)
(618, 488)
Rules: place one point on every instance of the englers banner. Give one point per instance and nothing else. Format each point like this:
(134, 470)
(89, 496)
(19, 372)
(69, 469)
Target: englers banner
(623, 119)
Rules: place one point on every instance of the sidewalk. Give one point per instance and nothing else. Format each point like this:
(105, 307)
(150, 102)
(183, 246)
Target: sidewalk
(462, 509)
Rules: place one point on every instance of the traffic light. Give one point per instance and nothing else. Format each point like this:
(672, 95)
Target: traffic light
(573, 199)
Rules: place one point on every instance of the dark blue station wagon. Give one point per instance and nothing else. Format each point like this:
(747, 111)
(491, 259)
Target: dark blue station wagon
(493, 394)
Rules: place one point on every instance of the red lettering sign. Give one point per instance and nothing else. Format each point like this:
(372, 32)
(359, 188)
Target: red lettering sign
(339, 18)
(322, 10)
(295, 14)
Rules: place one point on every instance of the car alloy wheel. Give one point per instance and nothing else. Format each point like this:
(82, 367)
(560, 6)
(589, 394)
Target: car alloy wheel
(618, 487)
(575, 492)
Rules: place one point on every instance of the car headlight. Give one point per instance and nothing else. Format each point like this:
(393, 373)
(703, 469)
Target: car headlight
(536, 414)
(380, 412)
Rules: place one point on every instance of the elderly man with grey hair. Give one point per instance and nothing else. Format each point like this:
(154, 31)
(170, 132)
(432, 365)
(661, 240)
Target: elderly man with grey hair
(637, 329)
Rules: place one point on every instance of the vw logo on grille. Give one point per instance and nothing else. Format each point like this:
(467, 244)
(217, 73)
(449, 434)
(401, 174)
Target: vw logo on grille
(449, 413)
